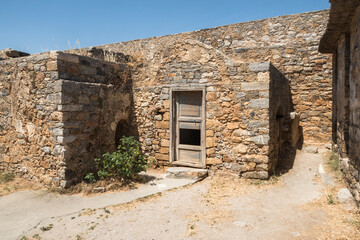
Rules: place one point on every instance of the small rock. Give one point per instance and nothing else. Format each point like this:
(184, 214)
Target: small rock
(344, 196)
(99, 189)
(346, 199)
(328, 146)
(311, 149)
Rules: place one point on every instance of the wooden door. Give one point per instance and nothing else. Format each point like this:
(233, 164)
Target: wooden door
(189, 130)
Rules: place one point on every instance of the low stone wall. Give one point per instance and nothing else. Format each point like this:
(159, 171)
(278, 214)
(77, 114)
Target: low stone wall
(59, 112)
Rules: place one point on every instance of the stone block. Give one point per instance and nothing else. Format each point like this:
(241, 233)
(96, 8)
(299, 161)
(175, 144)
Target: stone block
(211, 96)
(186, 173)
(162, 124)
(213, 161)
(311, 149)
(67, 57)
(256, 158)
(260, 139)
(232, 125)
(165, 143)
(254, 86)
(256, 175)
(162, 157)
(54, 98)
(210, 142)
(238, 167)
(209, 133)
(259, 66)
(241, 148)
(259, 103)
(164, 150)
(166, 116)
(70, 108)
(210, 152)
(52, 66)
(158, 117)
(263, 77)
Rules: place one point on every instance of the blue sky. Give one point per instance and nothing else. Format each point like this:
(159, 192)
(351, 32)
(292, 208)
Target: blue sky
(43, 25)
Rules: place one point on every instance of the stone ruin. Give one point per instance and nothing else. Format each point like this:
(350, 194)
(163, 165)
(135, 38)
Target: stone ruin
(238, 97)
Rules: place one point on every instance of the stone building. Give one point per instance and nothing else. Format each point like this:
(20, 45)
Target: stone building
(234, 97)
(341, 39)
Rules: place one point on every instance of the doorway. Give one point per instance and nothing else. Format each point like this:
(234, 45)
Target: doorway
(188, 128)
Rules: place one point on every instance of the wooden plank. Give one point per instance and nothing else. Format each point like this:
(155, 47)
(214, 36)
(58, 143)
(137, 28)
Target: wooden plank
(190, 147)
(190, 104)
(192, 156)
(189, 125)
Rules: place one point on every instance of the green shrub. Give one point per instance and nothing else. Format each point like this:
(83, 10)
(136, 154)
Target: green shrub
(122, 164)
(90, 178)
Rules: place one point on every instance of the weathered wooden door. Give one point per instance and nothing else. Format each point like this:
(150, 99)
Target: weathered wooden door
(189, 128)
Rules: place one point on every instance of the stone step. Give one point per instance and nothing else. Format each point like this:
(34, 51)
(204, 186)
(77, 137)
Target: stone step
(186, 173)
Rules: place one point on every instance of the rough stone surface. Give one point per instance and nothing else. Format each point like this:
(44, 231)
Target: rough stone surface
(65, 102)
(311, 149)
(259, 67)
(341, 39)
(186, 173)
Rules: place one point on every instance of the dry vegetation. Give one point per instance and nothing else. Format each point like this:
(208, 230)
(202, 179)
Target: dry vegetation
(10, 183)
(341, 224)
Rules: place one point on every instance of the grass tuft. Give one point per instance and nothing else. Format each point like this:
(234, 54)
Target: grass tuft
(333, 161)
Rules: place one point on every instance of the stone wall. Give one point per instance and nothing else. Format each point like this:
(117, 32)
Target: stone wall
(83, 104)
(352, 168)
(27, 142)
(59, 112)
(341, 38)
(290, 43)
(237, 114)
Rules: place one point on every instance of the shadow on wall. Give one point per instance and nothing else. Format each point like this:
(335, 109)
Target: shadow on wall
(286, 134)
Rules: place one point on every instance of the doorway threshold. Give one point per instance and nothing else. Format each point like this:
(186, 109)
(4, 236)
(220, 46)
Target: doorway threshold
(186, 173)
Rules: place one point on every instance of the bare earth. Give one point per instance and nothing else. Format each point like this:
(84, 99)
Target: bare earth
(296, 205)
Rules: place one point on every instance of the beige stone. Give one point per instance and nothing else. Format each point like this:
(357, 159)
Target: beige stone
(210, 142)
(241, 148)
(162, 124)
(165, 143)
(164, 150)
(163, 157)
(209, 133)
(263, 77)
(232, 125)
(52, 66)
(213, 161)
(211, 96)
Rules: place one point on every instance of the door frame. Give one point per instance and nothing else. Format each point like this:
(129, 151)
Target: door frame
(173, 116)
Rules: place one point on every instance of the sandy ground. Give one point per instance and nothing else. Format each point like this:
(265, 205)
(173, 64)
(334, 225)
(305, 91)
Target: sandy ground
(296, 205)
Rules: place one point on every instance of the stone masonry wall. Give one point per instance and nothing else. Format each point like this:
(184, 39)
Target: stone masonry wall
(342, 93)
(285, 133)
(59, 112)
(352, 167)
(237, 114)
(290, 43)
(28, 145)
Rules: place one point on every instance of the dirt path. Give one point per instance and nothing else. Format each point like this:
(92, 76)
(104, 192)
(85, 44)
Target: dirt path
(295, 206)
